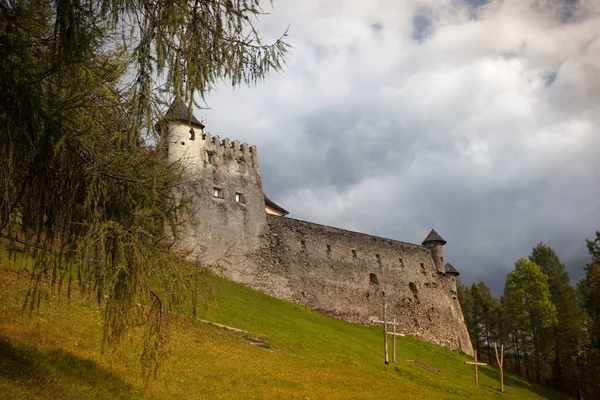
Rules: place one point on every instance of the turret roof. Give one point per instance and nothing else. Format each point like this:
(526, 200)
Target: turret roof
(180, 112)
(451, 270)
(434, 237)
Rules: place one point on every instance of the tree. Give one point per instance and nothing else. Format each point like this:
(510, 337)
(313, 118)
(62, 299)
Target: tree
(82, 85)
(527, 300)
(589, 293)
(590, 290)
(566, 334)
(489, 309)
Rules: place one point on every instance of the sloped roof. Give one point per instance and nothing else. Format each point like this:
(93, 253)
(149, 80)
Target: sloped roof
(434, 237)
(271, 204)
(180, 112)
(451, 270)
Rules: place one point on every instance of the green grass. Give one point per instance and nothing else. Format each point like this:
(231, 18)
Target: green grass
(301, 354)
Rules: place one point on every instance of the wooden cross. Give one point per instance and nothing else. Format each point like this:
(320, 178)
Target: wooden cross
(476, 364)
(500, 362)
(385, 323)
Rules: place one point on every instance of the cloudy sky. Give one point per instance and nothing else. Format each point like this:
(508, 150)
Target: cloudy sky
(478, 118)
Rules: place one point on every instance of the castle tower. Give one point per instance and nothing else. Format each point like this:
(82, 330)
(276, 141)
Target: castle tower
(228, 211)
(184, 132)
(434, 242)
(451, 275)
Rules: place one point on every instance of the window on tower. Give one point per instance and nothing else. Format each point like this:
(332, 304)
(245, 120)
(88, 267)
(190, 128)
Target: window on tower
(239, 198)
(218, 192)
(191, 134)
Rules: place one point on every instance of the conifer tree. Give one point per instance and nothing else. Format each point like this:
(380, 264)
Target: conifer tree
(589, 293)
(82, 84)
(566, 334)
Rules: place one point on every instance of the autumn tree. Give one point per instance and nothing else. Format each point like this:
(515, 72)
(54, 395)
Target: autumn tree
(82, 84)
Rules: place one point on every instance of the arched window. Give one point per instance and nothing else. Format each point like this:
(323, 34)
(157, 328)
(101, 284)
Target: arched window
(191, 134)
(373, 279)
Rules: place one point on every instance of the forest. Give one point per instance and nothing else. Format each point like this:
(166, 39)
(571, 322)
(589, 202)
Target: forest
(550, 330)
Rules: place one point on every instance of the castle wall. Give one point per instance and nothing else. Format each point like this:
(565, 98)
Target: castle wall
(227, 218)
(337, 272)
(348, 274)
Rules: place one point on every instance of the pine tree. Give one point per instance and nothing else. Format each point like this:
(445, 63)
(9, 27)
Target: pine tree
(589, 293)
(567, 332)
(82, 84)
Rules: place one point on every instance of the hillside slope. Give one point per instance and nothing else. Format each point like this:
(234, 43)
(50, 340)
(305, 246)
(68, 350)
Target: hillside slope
(292, 353)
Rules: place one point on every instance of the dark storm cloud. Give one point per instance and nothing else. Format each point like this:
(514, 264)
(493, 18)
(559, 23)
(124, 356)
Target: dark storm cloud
(374, 129)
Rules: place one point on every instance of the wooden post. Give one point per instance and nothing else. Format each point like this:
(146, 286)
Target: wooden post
(476, 364)
(385, 335)
(394, 344)
(500, 362)
(476, 372)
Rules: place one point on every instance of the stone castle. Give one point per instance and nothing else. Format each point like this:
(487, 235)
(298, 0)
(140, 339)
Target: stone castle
(245, 237)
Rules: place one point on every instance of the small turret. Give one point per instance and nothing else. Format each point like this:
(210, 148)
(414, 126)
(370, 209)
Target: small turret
(451, 274)
(182, 132)
(434, 242)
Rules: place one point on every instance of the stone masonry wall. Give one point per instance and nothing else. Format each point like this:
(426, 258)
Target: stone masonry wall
(337, 272)
(348, 274)
(220, 229)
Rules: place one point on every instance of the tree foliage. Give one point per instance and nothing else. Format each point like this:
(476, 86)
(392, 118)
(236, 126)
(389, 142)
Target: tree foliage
(527, 290)
(589, 294)
(566, 334)
(82, 83)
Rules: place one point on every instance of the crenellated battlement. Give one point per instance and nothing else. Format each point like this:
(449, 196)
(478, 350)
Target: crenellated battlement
(225, 151)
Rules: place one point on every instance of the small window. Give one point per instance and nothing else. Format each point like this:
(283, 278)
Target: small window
(452, 279)
(329, 248)
(442, 259)
(354, 256)
(239, 198)
(218, 192)
(191, 134)
(373, 279)
(413, 288)
(183, 143)
(422, 265)
(401, 262)
(303, 245)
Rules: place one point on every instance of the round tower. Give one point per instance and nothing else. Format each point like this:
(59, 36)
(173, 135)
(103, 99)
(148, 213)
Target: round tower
(183, 133)
(435, 243)
(451, 274)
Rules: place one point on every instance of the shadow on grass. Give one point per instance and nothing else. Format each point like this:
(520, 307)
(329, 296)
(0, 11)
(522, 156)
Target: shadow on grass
(513, 381)
(26, 365)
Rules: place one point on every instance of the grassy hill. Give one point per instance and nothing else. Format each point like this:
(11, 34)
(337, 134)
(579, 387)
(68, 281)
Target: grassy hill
(291, 353)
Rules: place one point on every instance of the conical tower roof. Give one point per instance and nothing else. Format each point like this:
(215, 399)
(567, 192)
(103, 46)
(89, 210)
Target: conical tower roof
(180, 112)
(433, 237)
(451, 270)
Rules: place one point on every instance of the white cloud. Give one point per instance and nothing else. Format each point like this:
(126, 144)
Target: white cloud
(485, 128)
